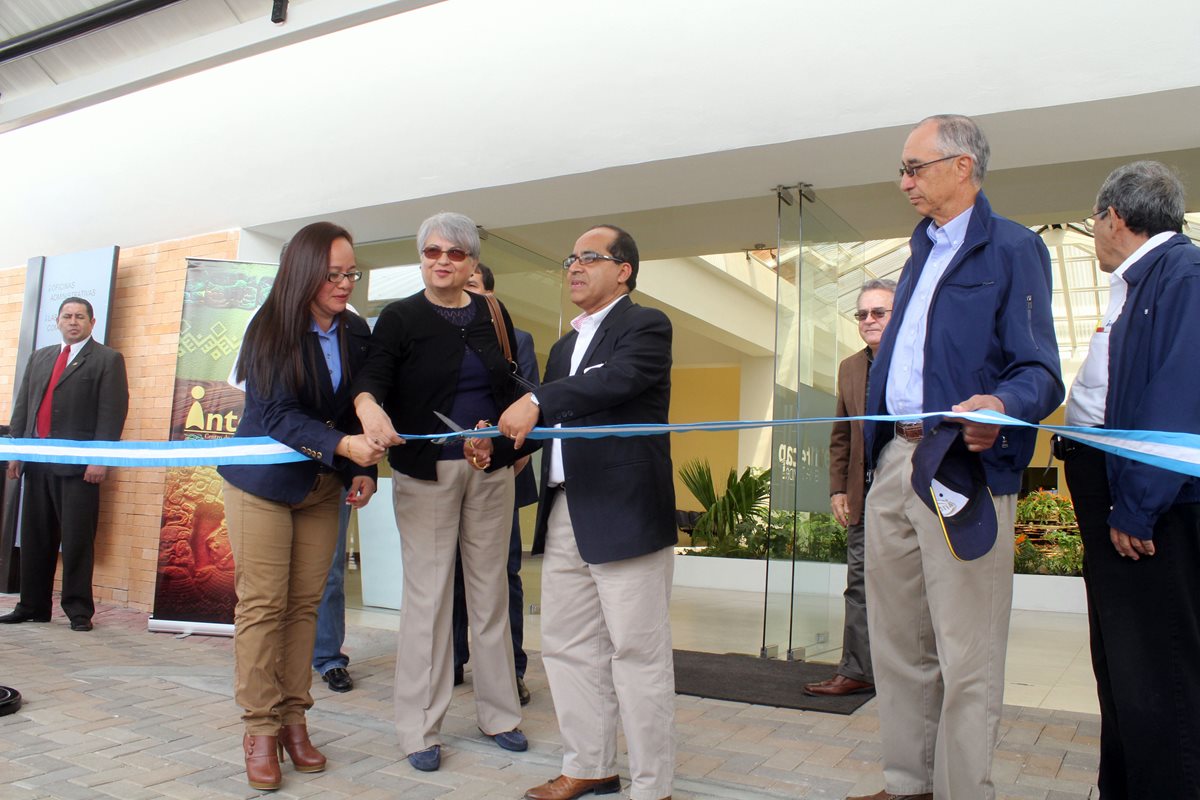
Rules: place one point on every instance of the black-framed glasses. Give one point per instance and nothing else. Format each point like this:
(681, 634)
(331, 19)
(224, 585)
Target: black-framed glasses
(874, 313)
(911, 170)
(336, 277)
(1089, 222)
(456, 254)
(587, 257)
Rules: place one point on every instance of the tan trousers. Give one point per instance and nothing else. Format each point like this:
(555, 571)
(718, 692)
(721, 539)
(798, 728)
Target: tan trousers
(471, 511)
(606, 646)
(281, 555)
(939, 631)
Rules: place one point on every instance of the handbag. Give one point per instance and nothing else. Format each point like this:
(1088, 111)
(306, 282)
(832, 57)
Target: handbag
(506, 348)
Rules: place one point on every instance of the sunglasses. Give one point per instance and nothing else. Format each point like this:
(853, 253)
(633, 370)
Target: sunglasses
(455, 254)
(875, 313)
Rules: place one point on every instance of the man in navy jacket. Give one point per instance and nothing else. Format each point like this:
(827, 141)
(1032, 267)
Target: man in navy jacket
(971, 329)
(1141, 524)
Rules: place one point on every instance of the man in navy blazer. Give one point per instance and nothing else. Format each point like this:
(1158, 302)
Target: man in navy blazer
(88, 401)
(606, 523)
(971, 329)
(1140, 524)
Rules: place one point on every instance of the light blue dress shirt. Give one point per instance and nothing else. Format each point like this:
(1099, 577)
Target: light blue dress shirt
(906, 374)
(329, 347)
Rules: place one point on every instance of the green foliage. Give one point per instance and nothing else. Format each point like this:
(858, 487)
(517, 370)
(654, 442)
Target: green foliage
(1049, 542)
(1045, 508)
(729, 517)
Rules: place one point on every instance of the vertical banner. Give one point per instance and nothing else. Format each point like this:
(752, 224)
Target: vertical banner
(194, 588)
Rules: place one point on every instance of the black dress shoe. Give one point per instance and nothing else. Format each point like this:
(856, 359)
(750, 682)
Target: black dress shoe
(522, 691)
(14, 616)
(339, 679)
(81, 624)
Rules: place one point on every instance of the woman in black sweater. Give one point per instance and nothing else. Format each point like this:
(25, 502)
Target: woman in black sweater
(439, 350)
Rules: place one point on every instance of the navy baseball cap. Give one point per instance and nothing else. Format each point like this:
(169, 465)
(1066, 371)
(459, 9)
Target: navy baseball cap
(950, 479)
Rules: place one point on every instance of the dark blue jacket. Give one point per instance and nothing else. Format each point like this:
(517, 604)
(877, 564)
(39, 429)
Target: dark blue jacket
(990, 331)
(313, 431)
(1154, 380)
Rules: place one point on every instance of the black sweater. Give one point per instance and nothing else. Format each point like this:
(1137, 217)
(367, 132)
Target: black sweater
(412, 370)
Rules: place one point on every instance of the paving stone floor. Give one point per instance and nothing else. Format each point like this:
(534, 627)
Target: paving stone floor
(123, 713)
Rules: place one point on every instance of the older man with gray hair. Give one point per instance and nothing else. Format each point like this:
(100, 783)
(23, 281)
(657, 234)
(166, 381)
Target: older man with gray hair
(1141, 524)
(848, 488)
(971, 329)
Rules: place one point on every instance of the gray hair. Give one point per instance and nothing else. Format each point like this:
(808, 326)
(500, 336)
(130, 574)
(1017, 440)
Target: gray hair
(959, 135)
(459, 229)
(1147, 194)
(880, 284)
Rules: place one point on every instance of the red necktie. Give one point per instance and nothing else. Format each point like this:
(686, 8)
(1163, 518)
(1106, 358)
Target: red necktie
(45, 410)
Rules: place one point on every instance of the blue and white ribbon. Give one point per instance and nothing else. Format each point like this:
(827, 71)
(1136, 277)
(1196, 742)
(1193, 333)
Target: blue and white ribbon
(185, 453)
(1174, 451)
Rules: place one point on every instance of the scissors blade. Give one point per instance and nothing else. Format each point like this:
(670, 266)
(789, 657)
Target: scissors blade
(451, 424)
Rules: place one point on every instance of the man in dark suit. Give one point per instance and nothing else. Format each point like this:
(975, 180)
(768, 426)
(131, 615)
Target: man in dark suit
(76, 390)
(606, 523)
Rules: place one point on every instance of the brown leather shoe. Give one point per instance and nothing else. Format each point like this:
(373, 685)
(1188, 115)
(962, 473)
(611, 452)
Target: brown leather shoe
(305, 757)
(884, 794)
(564, 787)
(838, 686)
(262, 761)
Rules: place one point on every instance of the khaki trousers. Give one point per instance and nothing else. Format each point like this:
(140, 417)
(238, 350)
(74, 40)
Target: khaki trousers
(281, 554)
(939, 631)
(606, 646)
(471, 512)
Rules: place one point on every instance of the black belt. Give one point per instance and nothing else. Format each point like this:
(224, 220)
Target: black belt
(1065, 449)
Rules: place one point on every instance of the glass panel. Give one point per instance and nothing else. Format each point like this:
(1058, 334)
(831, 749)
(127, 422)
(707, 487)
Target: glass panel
(822, 265)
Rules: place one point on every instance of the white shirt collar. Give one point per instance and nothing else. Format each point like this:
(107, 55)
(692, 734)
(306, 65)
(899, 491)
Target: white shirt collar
(1136, 256)
(594, 320)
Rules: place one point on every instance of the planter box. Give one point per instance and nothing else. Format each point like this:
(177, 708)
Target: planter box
(1030, 592)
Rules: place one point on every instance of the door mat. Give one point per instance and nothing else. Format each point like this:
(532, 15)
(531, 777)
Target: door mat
(761, 681)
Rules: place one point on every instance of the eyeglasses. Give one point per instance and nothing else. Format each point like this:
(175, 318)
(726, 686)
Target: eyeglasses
(336, 277)
(1089, 222)
(587, 257)
(874, 313)
(911, 170)
(455, 254)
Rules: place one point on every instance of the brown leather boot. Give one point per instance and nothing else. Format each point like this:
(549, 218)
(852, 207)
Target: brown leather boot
(305, 757)
(262, 761)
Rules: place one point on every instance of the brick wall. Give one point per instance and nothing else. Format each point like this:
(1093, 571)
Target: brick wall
(145, 328)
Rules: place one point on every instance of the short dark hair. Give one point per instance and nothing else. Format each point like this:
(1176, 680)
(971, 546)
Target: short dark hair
(489, 279)
(81, 301)
(1148, 195)
(623, 248)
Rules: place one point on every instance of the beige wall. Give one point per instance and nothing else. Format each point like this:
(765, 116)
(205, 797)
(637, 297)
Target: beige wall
(700, 395)
(145, 328)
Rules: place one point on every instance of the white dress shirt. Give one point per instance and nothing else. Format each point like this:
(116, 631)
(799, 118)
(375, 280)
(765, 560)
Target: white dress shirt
(586, 325)
(1089, 392)
(906, 373)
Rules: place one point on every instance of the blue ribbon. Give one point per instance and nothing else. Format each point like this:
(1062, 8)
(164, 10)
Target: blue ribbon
(1169, 450)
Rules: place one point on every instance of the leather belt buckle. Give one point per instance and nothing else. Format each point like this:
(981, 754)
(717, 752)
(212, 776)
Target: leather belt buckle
(910, 431)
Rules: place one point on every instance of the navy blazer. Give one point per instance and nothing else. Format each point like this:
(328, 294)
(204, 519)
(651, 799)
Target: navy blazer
(621, 489)
(315, 432)
(990, 331)
(1153, 383)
